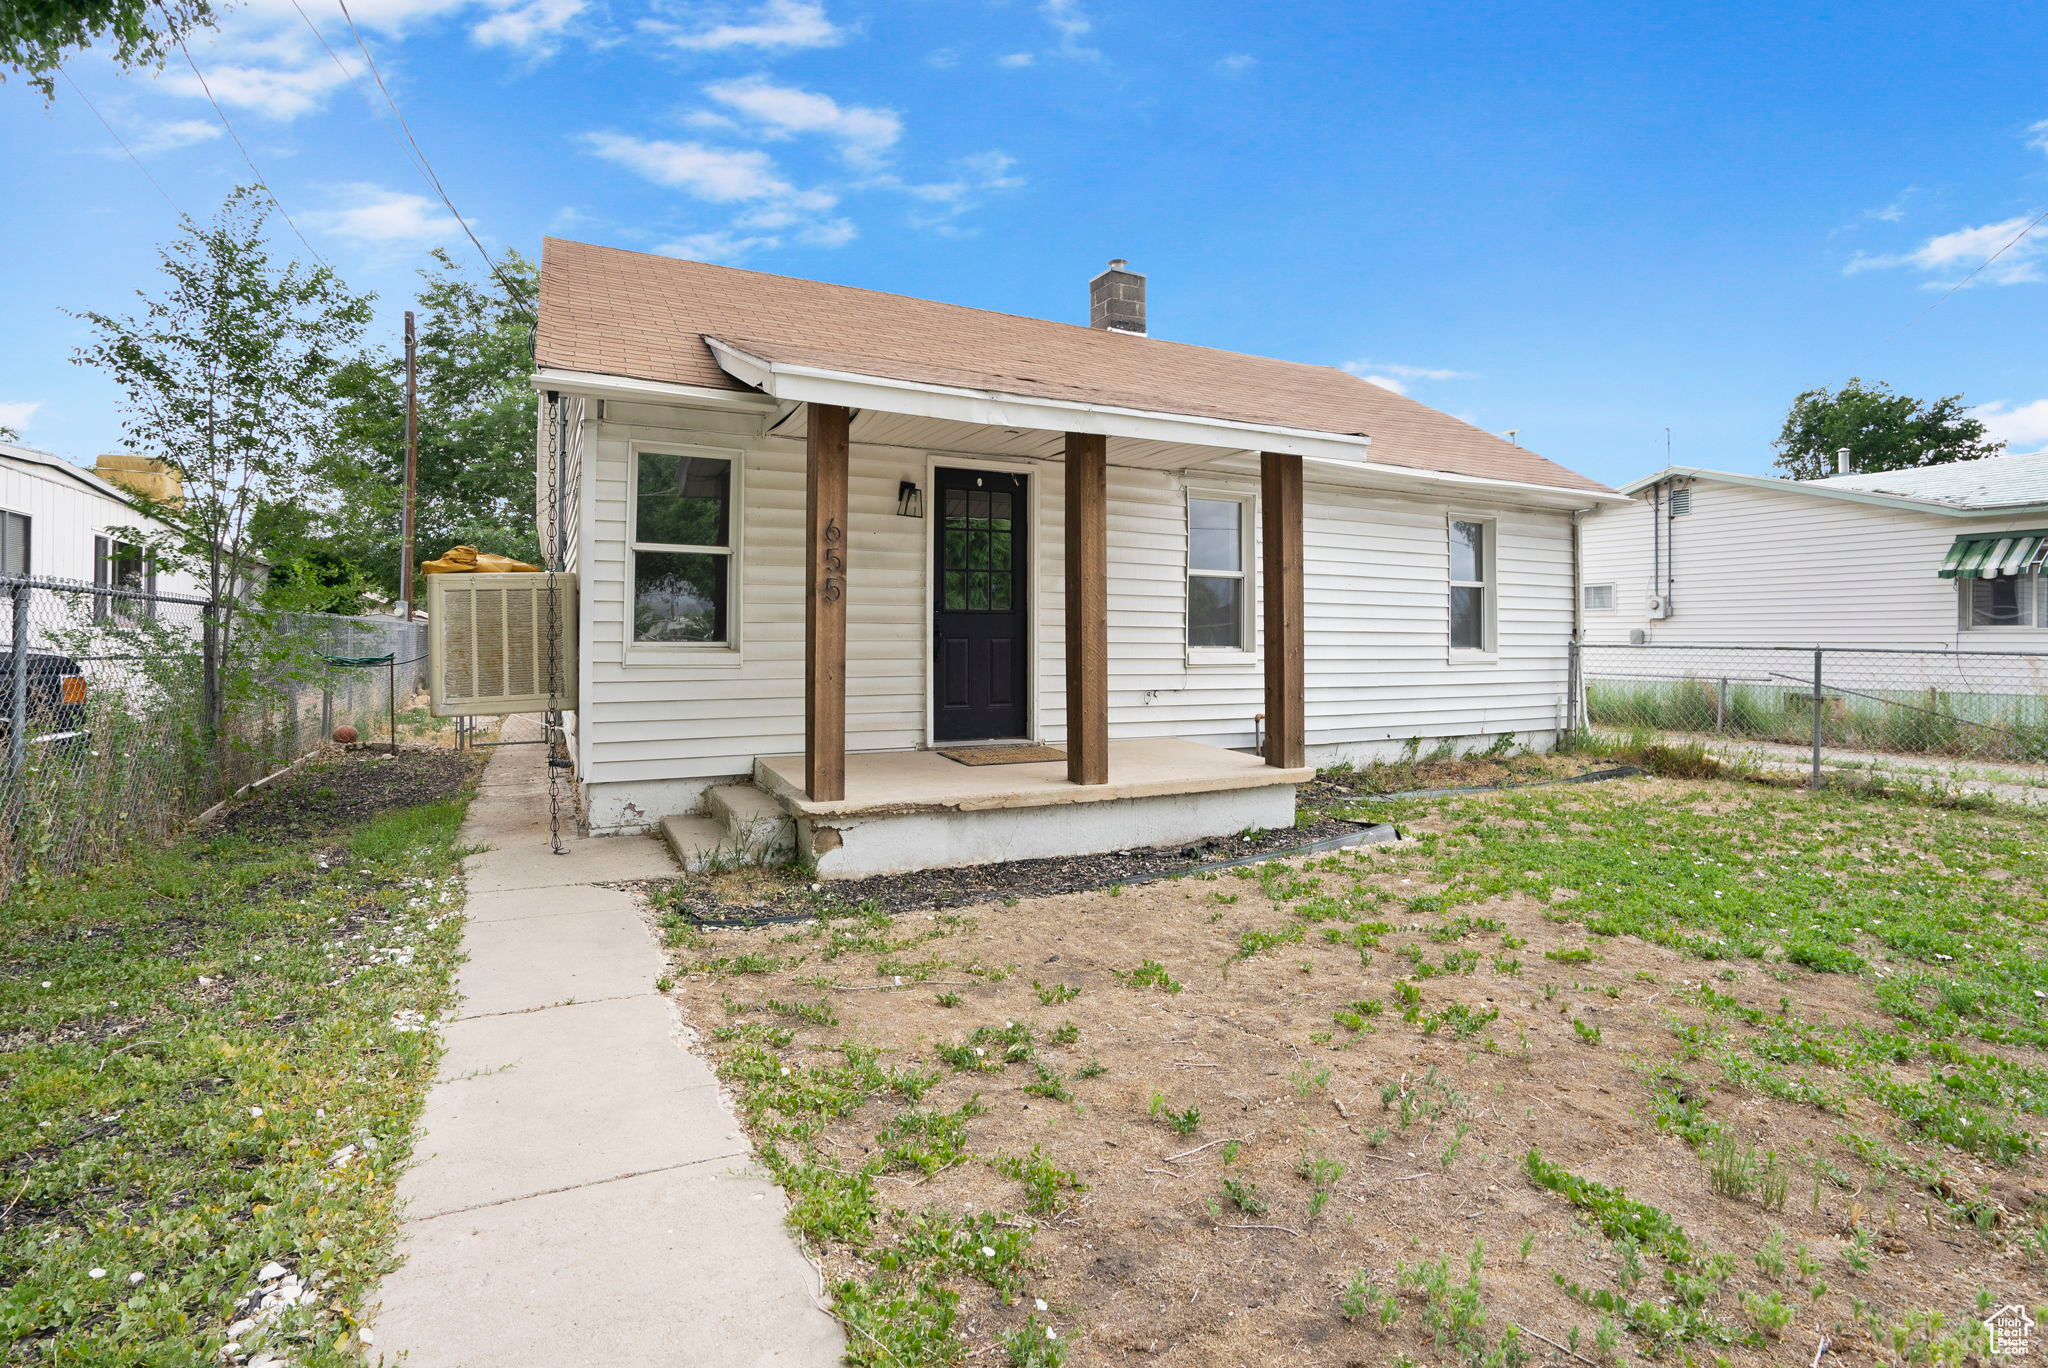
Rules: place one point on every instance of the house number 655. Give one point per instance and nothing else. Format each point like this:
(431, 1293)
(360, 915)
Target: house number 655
(835, 564)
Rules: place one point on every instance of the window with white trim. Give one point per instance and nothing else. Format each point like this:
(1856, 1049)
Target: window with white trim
(1219, 580)
(122, 565)
(2008, 601)
(683, 546)
(1599, 598)
(1471, 585)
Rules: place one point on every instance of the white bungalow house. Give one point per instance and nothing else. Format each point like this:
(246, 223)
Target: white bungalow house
(832, 543)
(1944, 557)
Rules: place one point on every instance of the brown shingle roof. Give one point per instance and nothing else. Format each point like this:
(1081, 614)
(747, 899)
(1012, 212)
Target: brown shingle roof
(634, 314)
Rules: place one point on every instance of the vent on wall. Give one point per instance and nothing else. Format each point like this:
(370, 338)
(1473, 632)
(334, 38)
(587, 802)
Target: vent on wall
(487, 648)
(1680, 502)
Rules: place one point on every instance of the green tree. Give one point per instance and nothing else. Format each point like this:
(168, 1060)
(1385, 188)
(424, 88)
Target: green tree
(477, 411)
(1883, 430)
(37, 35)
(226, 378)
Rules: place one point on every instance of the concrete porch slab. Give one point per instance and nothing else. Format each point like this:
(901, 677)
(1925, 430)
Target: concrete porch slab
(903, 782)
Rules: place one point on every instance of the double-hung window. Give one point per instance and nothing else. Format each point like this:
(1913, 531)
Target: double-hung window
(1471, 586)
(683, 544)
(1219, 583)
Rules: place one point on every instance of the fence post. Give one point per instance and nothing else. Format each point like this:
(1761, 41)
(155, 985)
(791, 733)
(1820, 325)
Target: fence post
(1571, 686)
(1721, 708)
(1817, 780)
(17, 701)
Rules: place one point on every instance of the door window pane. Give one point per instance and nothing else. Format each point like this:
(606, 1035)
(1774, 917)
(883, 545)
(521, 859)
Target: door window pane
(683, 500)
(679, 596)
(1468, 618)
(1215, 534)
(1468, 551)
(1215, 612)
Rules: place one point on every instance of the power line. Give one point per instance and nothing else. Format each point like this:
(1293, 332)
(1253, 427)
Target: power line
(343, 68)
(260, 181)
(1982, 266)
(514, 295)
(122, 144)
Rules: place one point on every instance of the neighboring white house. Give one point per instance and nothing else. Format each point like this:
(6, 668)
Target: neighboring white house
(1943, 557)
(62, 522)
(824, 534)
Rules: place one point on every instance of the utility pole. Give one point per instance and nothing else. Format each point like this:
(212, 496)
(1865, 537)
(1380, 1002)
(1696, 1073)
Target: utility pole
(412, 461)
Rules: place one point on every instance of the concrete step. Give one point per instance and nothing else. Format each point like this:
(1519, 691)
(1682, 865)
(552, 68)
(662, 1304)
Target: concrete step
(758, 826)
(698, 842)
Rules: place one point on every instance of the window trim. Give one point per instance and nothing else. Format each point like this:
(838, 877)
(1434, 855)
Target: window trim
(1488, 651)
(1247, 652)
(106, 607)
(2039, 601)
(1613, 597)
(725, 653)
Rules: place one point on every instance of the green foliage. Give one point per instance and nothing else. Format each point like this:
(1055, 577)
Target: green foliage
(1883, 430)
(1244, 1195)
(38, 36)
(477, 417)
(1612, 1209)
(1045, 1183)
(896, 1325)
(1033, 1345)
(1150, 974)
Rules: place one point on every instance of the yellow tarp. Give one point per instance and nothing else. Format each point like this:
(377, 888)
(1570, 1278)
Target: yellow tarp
(467, 560)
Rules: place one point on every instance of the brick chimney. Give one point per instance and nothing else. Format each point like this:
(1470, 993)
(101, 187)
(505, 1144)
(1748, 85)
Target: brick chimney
(1116, 299)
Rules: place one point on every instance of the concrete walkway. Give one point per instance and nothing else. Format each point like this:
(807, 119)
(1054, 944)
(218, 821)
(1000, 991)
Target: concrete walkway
(581, 1193)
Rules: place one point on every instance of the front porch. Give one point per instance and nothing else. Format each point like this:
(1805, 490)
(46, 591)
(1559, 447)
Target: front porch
(910, 810)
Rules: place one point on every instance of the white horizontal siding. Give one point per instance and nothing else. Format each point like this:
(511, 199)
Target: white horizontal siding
(1378, 668)
(65, 516)
(1781, 568)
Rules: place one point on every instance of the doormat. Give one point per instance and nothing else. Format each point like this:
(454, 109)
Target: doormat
(1002, 755)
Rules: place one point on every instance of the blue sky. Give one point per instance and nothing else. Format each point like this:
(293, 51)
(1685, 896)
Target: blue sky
(1584, 222)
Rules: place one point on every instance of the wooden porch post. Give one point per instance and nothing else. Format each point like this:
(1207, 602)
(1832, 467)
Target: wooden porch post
(1280, 515)
(1087, 609)
(825, 603)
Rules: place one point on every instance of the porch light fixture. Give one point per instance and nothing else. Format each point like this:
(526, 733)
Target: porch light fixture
(909, 500)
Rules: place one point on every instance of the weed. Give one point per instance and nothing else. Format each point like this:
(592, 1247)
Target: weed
(1045, 1183)
(949, 998)
(1586, 1031)
(895, 1325)
(1244, 1194)
(1150, 974)
(1185, 1122)
(1052, 994)
(1033, 1345)
(1308, 1079)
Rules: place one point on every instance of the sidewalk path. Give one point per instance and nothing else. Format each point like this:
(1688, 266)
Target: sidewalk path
(581, 1193)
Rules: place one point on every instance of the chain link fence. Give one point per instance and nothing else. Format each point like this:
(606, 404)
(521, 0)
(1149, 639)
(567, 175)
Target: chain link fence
(1848, 704)
(102, 736)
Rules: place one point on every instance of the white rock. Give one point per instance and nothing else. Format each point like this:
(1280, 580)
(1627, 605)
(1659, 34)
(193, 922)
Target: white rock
(367, 1336)
(240, 1328)
(270, 1272)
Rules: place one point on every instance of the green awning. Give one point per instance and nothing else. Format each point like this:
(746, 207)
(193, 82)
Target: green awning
(1993, 555)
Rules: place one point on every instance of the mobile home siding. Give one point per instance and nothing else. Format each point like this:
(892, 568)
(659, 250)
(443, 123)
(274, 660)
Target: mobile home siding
(660, 725)
(1785, 568)
(65, 516)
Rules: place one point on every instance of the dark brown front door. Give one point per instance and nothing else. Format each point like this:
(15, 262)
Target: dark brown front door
(979, 615)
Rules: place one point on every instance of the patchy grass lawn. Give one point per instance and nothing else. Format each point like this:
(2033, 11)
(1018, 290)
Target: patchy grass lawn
(1694, 1071)
(210, 1064)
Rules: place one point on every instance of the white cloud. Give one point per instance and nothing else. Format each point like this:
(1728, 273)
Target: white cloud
(171, 134)
(1951, 256)
(1896, 210)
(2039, 136)
(724, 247)
(777, 24)
(2025, 426)
(1391, 375)
(1071, 25)
(17, 413)
(1236, 62)
(863, 133)
(529, 27)
(295, 82)
(380, 215)
(1016, 59)
(721, 175)
(974, 178)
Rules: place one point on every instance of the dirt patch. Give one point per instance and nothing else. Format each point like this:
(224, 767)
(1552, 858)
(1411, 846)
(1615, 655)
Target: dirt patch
(346, 788)
(1330, 1086)
(755, 896)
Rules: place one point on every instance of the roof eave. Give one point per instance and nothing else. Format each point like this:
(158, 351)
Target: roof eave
(1817, 490)
(795, 383)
